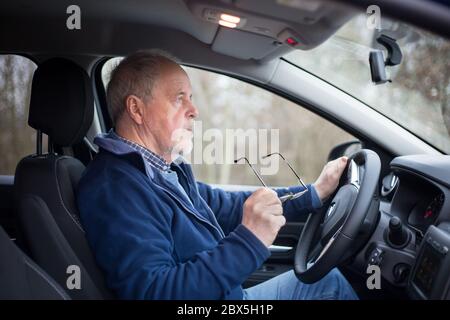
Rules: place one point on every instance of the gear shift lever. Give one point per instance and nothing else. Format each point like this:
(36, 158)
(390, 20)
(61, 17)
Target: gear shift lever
(397, 235)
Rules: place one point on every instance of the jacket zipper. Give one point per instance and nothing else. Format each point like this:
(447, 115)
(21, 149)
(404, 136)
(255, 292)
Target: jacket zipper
(189, 210)
(189, 178)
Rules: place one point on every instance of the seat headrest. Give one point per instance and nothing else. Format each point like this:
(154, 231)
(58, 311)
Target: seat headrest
(62, 101)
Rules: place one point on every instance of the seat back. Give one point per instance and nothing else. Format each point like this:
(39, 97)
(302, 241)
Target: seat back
(21, 278)
(61, 106)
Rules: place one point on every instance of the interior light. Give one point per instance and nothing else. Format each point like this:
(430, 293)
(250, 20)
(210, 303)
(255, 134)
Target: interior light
(227, 24)
(291, 41)
(229, 18)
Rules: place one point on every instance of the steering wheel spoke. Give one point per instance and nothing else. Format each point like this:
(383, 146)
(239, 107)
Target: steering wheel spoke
(328, 244)
(314, 254)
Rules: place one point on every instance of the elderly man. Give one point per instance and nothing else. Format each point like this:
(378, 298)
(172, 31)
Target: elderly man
(158, 233)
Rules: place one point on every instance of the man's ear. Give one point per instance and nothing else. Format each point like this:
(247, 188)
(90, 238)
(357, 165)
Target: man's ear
(135, 108)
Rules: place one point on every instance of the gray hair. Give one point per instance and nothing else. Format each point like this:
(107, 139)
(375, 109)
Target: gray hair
(136, 75)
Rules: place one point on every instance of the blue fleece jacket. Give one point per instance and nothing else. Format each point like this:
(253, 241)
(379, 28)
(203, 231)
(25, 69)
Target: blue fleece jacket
(153, 243)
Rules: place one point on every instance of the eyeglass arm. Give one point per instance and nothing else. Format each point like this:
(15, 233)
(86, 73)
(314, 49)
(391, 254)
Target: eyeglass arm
(256, 172)
(289, 165)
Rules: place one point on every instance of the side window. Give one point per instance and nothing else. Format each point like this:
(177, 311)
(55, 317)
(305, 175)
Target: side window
(227, 105)
(238, 119)
(17, 139)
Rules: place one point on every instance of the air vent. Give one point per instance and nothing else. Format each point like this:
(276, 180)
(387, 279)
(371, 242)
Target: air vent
(389, 184)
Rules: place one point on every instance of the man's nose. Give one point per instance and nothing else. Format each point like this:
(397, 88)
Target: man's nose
(193, 111)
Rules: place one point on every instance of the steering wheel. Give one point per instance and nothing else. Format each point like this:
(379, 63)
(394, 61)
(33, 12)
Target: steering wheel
(342, 221)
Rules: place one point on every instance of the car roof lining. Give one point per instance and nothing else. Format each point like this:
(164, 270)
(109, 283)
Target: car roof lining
(116, 28)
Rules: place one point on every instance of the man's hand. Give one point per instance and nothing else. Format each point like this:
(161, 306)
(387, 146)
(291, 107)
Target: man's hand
(329, 177)
(263, 215)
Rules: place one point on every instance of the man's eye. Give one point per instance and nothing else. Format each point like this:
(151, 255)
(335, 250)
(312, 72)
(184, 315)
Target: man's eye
(178, 100)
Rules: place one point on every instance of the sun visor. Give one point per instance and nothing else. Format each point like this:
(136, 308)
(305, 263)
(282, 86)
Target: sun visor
(251, 46)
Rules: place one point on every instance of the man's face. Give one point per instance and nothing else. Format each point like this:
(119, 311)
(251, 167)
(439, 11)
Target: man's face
(169, 113)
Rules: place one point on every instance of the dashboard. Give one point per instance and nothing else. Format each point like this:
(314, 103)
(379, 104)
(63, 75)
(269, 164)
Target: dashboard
(421, 200)
(422, 194)
(411, 242)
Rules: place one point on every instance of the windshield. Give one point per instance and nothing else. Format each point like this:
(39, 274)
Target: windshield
(418, 96)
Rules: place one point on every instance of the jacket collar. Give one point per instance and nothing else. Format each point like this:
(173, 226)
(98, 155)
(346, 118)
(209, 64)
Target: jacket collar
(109, 142)
(154, 159)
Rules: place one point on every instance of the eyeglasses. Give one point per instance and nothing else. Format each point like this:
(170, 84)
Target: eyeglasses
(286, 197)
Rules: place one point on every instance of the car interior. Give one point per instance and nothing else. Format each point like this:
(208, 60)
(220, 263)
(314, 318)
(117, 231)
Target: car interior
(392, 207)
